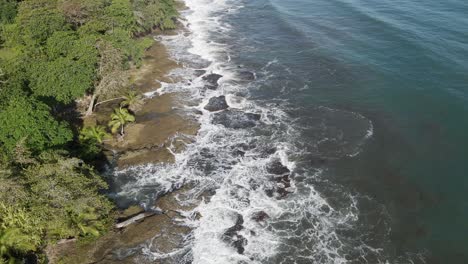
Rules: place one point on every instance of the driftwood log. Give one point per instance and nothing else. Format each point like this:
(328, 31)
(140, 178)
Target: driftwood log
(137, 218)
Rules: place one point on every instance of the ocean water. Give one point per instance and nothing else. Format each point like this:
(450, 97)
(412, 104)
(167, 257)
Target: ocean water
(364, 102)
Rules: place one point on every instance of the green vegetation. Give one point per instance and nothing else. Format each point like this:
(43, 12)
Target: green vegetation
(133, 101)
(94, 134)
(119, 119)
(29, 119)
(52, 53)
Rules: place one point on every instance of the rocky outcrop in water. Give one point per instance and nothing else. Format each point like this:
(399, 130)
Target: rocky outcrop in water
(236, 119)
(216, 104)
(281, 178)
(260, 216)
(199, 73)
(282, 185)
(232, 236)
(212, 80)
(247, 76)
(277, 168)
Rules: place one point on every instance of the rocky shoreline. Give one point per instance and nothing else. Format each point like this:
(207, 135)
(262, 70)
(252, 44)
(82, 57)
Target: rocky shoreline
(157, 125)
(138, 233)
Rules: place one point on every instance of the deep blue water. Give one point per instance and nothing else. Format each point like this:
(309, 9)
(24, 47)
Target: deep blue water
(404, 66)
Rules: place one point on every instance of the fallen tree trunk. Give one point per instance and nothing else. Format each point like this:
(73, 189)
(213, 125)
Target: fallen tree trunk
(134, 219)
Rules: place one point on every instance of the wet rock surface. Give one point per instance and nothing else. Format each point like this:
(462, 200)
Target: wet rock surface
(260, 216)
(232, 236)
(283, 183)
(212, 80)
(199, 73)
(236, 119)
(204, 161)
(277, 168)
(282, 180)
(217, 103)
(130, 212)
(325, 208)
(281, 187)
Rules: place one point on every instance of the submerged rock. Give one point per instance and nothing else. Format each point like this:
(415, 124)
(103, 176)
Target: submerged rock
(217, 104)
(260, 216)
(247, 75)
(269, 192)
(325, 208)
(233, 237)
(236, 119)
(318, 161)
(212, 81)
(199, 73)
(239, 153)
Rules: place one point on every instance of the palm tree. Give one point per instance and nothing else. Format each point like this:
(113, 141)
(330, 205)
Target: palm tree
(132, 100)
(94, 133)
(119, 119)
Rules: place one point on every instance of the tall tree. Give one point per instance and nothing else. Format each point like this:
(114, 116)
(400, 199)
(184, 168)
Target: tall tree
(120, 15)
(28, 119)
(37, 20)
(69, 69)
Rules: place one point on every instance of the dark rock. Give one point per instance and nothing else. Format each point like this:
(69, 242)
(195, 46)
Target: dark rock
(212, 80)
(204, 161)
(198, 112)
(238, 226)
(217, 104)
(254, 185)
(239, 153)
(277, 168)
(245, 146)
(266, 151)
(233, 237)
(282, 187)
(239, 150)
(325, 208)
(269, 192)
(270, 150)
(282, 193)
(236, 119)
(260, 216)
(283, 183)
(247, 75)
(199, 73)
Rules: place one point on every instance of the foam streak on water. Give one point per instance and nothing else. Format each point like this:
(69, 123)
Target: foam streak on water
(252, 215)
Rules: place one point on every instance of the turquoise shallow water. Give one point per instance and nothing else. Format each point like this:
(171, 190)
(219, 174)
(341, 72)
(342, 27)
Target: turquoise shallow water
(403, 65)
